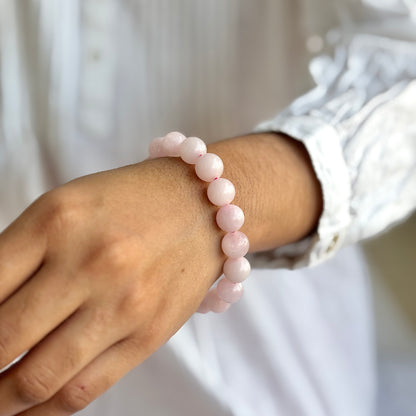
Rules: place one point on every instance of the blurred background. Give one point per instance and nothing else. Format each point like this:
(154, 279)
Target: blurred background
(392, 263)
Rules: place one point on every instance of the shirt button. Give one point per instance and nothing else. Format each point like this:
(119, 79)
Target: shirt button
(333, 243)
(95, 54)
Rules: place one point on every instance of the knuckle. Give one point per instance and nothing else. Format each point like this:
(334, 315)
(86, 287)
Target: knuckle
(74, 398)
(58, 210)
(116, 256)
(33, 388)
(113, 256)
(133, 303)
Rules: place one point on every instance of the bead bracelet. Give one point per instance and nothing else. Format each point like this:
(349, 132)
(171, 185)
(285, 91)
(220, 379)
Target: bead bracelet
(230, 218)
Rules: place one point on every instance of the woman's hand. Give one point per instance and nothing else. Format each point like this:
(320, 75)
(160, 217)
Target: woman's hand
(95, 276)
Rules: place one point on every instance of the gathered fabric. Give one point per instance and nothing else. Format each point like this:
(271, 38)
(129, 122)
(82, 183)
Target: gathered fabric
(86, 84)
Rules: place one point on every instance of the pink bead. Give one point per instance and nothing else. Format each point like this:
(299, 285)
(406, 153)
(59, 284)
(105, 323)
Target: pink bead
(237, 270)
(213, 303)
(156, 148)
(208, 167)
(172, 143)
(221, 192)
(204, 306)
(192, 149)
(229, 291)
(230, 218)
(216, 304)
(235, 244)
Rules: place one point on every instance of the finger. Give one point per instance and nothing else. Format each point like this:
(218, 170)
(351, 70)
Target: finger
(38, 307)
(93, 380)
(57, 359)
(22, 248)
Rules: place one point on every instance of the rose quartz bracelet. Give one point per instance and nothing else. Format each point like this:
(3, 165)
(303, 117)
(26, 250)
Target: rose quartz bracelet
(230, 218)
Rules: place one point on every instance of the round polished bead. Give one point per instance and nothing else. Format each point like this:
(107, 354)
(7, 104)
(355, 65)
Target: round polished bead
(156, 148)
(204, 307)
(172, 143)
(237, 270)
(229, 291)
(235, 244)
(209, 167)
(212, 302)
(221, 192)
(192, 149)
(230, 218)
(216, 304)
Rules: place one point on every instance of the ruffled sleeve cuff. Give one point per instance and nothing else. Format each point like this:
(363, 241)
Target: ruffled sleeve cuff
(323, 145)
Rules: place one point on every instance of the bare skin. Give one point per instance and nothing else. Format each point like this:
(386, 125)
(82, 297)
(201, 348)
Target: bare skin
(97, 274)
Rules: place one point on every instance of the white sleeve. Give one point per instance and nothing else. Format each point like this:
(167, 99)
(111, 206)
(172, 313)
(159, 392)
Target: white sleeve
(359, 126)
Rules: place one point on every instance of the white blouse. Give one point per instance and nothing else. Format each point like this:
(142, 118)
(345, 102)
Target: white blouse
(85, 85)
(106, 77)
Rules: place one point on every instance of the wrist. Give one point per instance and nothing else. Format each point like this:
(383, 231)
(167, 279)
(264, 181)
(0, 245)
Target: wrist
(276, 187)
(190, 216)
(209, 168)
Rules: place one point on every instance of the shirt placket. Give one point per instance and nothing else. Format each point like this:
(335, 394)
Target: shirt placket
(97, 87)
